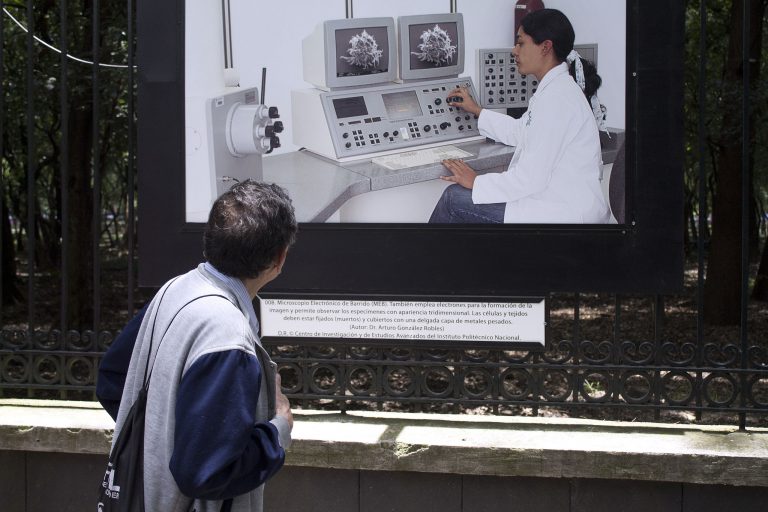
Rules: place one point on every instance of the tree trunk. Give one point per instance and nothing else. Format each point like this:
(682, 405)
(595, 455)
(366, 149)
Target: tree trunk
(722, 291)
(80, 213)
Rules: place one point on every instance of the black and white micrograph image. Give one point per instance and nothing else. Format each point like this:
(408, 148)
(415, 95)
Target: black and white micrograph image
(433, 45)
(362, 51)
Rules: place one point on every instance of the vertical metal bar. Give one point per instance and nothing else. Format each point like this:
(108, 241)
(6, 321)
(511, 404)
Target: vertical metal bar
(616, 355)
(2, 133)
(64, 164)
(349, 12)
(576, 341)
(224, 33)
(96, 171)
(577, 328)
(453, 6)
(131, 142)
(744, 205)
(616, 330)
(702, 130)
(31, 170)
(658, 329)
(229, 31)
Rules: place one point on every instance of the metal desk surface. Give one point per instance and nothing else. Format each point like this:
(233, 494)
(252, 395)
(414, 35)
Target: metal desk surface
(319, 186)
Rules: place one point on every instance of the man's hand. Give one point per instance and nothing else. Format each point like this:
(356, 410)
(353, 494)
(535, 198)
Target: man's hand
(282, 405)
(462, 174)
(466, 101)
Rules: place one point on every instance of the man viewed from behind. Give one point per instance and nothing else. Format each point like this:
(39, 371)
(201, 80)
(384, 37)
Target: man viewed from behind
(217, 423)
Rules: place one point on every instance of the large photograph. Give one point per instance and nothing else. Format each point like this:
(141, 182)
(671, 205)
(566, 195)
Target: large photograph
(530, 131)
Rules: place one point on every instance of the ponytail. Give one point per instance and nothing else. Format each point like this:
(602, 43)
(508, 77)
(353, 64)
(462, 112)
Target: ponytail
(592, 80)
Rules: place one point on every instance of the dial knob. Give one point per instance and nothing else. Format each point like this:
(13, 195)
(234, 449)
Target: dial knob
(345, 135)
(272, 129)
(278, 126)
(348, 145)
(427, 128)
(274, 142)
(438, 101)
(273, 113)
(444, 125)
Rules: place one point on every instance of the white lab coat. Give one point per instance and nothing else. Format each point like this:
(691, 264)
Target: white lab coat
(554, 175)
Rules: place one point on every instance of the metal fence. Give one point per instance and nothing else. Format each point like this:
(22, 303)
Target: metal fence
(611, 356)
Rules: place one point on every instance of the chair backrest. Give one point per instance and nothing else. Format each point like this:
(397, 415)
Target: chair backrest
(617, 188)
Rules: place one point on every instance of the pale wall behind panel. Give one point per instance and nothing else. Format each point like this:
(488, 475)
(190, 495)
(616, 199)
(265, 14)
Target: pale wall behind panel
(487, 24)
(269, 34)
(603, 22)
(395, 8)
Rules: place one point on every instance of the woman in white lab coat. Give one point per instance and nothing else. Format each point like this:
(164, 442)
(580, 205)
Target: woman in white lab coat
(554, 175)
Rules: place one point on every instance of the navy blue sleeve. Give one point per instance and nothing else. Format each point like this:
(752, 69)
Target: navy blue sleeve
(114, 365)
(219, 450)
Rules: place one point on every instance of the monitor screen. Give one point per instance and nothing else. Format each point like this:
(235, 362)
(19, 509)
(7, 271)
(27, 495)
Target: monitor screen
(361, 51)
(402, 105)
(350, 107)
(431, 46)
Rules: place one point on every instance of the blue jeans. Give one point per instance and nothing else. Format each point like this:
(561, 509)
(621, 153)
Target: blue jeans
(456, 206)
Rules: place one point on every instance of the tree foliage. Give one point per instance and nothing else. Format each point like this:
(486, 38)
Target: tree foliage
(721, 154)
(53, 158)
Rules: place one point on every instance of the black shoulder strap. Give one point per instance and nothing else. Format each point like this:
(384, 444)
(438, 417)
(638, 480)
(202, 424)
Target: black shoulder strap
(148, 369)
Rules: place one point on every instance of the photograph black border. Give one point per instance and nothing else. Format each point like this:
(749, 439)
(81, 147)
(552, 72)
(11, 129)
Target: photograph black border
(643, 255)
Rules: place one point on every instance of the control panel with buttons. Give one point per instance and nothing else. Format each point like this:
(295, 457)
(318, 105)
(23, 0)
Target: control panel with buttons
(392, 117)
(500, 83)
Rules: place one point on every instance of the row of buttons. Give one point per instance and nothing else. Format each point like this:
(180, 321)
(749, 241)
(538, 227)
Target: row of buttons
(491, 60)
(511, 82)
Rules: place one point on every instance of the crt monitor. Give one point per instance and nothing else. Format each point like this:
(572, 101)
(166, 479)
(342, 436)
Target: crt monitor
(351, 52)
(431, 46)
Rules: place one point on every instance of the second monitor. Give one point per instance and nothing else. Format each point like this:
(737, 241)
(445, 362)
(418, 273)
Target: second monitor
(431, 46)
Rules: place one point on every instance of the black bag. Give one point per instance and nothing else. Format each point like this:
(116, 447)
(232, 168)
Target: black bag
(126, 460)
(122, 489)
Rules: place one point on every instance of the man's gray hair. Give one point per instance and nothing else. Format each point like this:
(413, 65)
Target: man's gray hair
(248, 228)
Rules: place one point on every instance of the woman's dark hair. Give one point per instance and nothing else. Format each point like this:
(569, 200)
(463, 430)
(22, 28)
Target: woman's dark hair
(248, 228)
(553, 25)
(592, 80)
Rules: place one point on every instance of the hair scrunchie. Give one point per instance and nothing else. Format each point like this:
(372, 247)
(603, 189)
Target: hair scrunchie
(598, 110)
(575, 57)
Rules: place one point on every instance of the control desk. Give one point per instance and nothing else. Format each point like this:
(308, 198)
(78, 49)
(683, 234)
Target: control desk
(364, 122)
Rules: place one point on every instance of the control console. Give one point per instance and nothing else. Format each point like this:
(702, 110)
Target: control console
(380, 120)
